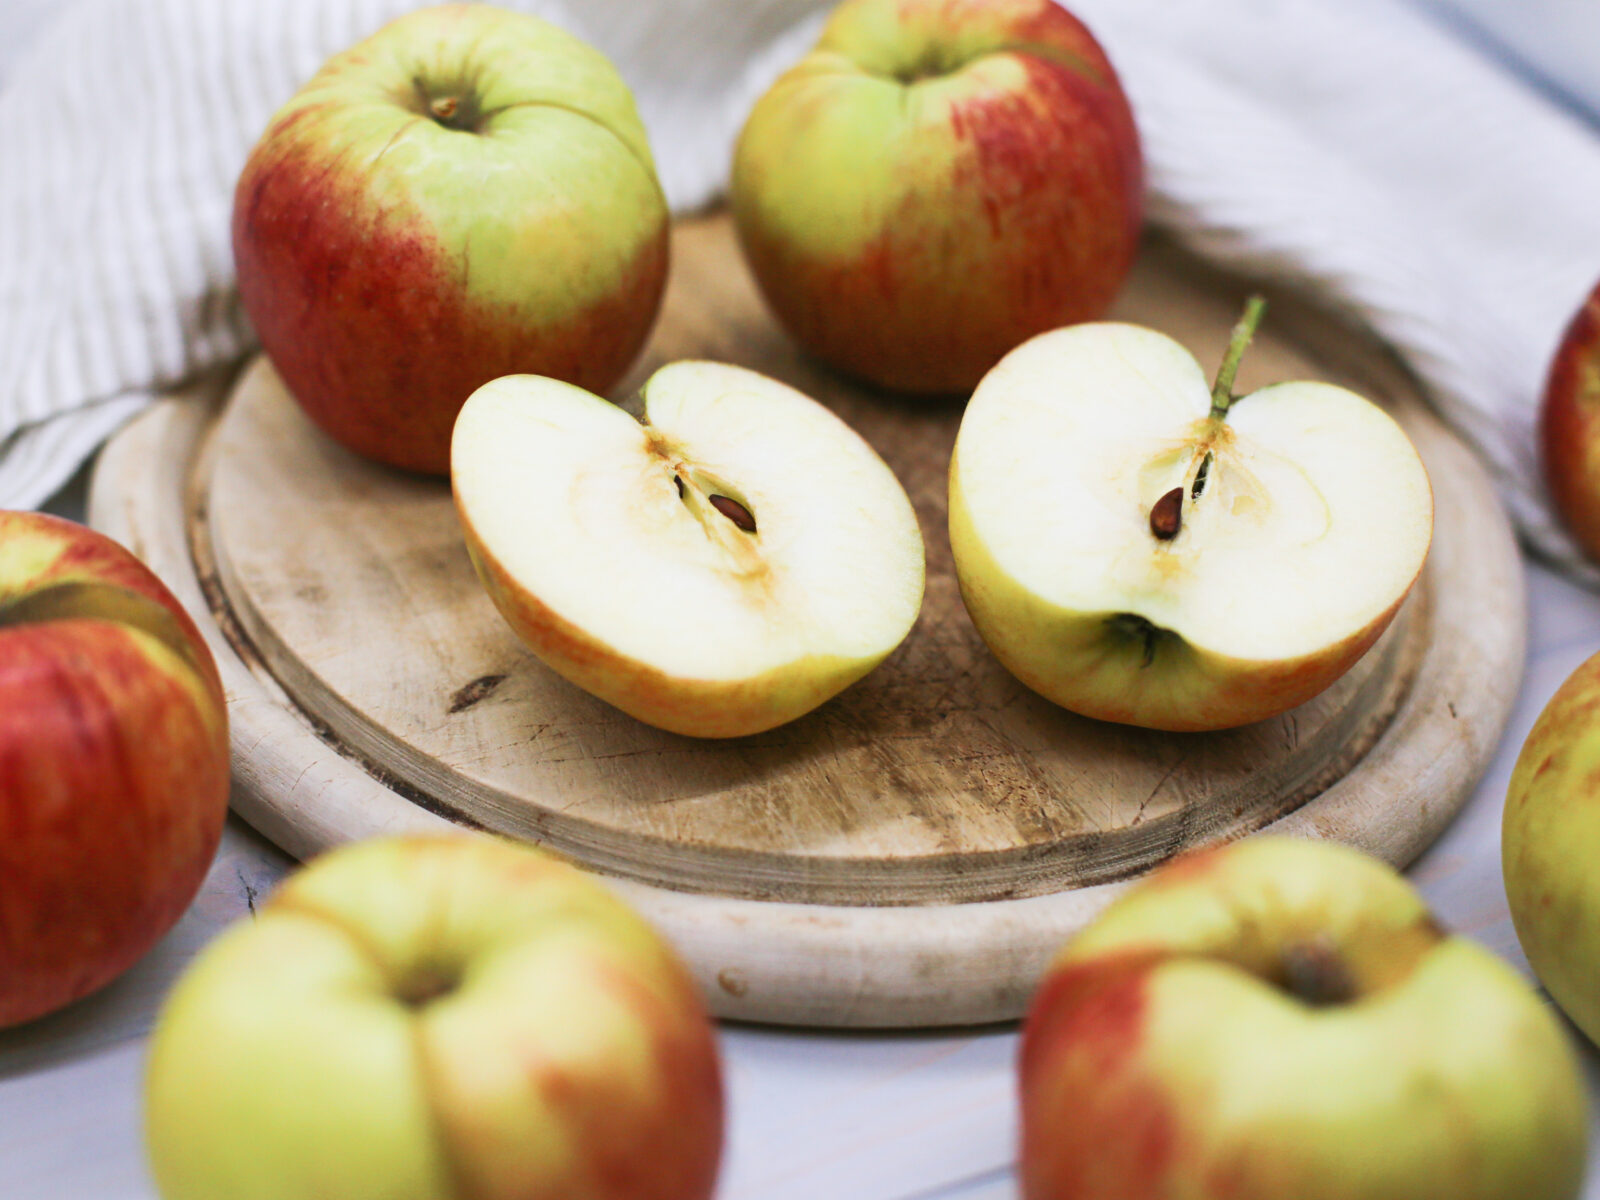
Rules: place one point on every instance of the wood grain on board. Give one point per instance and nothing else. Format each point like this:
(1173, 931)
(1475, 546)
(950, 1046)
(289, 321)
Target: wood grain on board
(907, 854)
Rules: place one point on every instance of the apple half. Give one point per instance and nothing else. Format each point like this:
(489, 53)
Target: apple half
(720, 566)
(1139, 547)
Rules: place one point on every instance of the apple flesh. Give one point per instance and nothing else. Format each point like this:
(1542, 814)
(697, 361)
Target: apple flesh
(113, 762)
(1283, 1020)
(1136, 549)
(720, 567)
(428, 1018)
(1549, 832)
(1569, 426)
(936, 182)
(466, 194)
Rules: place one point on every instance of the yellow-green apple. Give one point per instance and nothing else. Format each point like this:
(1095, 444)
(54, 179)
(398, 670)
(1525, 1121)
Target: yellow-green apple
(1137, 547)
(466, 194)
(724, 564)
(427, 1018)
(1549, 835)
(937, 181)
(113, 762)
(1284, 1020)
(1569, 425)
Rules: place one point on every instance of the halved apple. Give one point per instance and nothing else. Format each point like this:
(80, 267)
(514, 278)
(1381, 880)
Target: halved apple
(722, 565)
(1138, 547)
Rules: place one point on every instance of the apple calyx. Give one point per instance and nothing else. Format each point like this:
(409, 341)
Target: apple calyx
(1316, 975)
(81, 599)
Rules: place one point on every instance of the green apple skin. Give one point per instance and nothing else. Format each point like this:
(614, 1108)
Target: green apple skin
(426, 1018)
(1549, 832)
(937, 181)
(1166, 1057)
(113, 762)
(1569, 426)
(392, 260)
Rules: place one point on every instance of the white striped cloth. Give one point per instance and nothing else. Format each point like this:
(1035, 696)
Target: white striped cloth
(1350, 147)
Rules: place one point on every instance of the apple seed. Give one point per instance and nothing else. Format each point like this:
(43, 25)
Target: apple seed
(735, 512)
(1166, 517)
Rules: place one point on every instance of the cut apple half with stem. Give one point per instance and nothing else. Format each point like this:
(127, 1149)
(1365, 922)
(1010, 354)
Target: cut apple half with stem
(724, 563)
(1139, 547)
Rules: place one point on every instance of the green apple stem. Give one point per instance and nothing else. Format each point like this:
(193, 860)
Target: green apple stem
(1222, 389)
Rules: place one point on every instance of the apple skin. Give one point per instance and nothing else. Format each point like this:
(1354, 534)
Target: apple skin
(1569, 426)
(391, 264)
(424, 1018)
(1165, 1055)
(911, 233)
(113, 762)
(1549, 830)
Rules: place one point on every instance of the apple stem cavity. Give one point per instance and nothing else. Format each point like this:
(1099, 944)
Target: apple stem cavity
(1238, 342)
(1314, 973)
(1166, 515)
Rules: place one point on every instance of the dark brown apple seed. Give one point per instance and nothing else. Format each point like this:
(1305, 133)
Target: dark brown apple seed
(1166, 517)
(735, 512)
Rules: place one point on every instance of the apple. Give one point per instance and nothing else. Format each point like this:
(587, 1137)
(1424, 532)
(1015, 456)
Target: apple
(1569, 426)
(937, 181)
(113, 762)
(424, 1018)
(1285, 1020)
(1549, 833)
(1137, 547)
(466, 194)
(719, 567)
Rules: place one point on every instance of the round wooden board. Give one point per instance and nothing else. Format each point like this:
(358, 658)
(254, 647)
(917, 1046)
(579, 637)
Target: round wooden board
(911, 853)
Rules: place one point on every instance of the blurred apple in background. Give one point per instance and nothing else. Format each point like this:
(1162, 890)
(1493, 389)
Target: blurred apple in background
(724, 564)
(1283, 1020)
(430, 1018)
(1569, 426)
(1550, 839)
(467, 194)
(1138, 546)
(937, 181)
(113, 762)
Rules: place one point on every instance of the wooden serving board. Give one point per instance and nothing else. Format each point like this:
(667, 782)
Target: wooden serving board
(909, 854)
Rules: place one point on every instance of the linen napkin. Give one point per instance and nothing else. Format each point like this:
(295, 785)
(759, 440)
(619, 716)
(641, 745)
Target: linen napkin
(1353, 148)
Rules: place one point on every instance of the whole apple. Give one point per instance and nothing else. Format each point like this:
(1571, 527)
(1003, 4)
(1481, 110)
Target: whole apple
(466, 194)
(1549, 834)
(1569, 426)
(727, 563)
(937, 181)
(113, 762)
(1139, 546)
(427, 1018)
(1284, 1020)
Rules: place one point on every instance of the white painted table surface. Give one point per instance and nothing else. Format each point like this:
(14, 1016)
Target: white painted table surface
(847, 1117)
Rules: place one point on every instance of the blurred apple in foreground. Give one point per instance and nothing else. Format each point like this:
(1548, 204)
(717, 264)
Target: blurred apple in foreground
(726, 564)
(1283, 1020)
(1137, 546)
(466, 194)
(431, 1018)
(937, 181)
(1569, 426)
(113, 762)
(1550, 836)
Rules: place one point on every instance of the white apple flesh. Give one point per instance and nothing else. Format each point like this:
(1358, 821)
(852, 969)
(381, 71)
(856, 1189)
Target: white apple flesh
(722, 566)
(1135, 556)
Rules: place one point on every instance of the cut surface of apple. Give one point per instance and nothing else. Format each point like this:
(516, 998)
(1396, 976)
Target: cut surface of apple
(724, 564)
(1133, 554)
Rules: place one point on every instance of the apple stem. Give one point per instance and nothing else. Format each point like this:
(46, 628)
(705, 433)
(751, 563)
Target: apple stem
(1222, 389)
